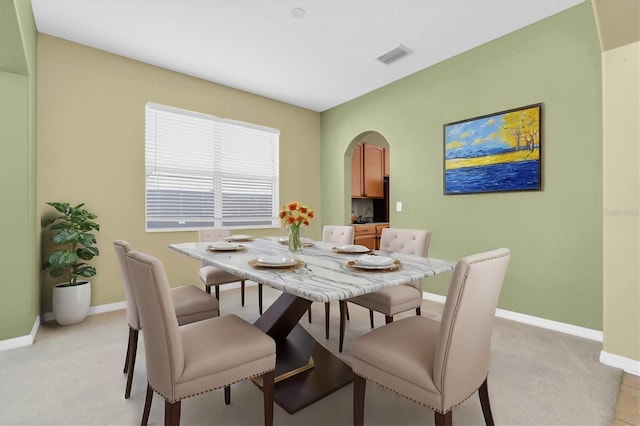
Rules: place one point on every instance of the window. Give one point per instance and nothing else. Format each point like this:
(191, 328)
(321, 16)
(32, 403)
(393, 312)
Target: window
(204, 171)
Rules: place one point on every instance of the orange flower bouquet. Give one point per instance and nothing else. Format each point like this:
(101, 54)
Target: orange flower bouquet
(293, 216)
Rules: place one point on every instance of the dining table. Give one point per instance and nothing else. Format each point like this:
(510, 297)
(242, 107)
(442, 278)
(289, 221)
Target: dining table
(322, 272)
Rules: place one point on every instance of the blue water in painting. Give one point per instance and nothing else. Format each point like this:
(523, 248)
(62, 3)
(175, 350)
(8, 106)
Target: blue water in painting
(517, 176)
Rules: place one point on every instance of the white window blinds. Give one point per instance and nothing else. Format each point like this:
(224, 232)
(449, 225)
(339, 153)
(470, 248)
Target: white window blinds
(204, 171)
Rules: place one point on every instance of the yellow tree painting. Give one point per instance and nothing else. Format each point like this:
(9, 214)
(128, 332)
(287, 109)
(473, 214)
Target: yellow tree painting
(493, 153)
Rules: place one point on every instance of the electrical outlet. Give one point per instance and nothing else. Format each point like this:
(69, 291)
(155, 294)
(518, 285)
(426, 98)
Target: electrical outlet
(399, 206)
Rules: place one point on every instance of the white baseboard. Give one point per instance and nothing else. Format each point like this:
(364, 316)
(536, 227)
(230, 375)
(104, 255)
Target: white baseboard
(628, 365)
(99, 309)
(574, 330)
(18, 342)
(107, 308)
(562, 327)
(433, 297)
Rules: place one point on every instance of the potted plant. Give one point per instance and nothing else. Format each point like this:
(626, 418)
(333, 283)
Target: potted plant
(72, 231)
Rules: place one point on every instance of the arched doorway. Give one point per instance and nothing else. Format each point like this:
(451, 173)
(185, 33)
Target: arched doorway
(370, 174)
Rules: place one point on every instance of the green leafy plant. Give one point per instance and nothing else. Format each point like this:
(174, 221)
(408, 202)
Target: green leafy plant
(72, 229)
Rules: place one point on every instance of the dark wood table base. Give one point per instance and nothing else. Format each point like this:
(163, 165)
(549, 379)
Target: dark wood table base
(295, 347)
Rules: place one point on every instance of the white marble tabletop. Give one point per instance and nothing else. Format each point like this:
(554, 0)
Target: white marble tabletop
(325, 275)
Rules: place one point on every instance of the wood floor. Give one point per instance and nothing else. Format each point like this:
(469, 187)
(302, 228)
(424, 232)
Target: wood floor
(628, 408)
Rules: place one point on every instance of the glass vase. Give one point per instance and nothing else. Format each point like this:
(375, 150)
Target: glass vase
(295, 242)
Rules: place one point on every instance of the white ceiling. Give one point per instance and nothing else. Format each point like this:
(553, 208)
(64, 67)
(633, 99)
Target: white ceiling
(318, 61)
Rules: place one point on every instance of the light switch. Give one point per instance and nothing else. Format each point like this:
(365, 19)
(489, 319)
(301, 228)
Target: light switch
(399, 206)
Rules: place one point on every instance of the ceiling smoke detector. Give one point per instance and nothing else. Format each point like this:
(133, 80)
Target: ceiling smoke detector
(394, 54)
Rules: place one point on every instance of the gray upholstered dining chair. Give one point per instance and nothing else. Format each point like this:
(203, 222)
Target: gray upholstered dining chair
(438, 364)
(335, 234)
(212, 276)
(393, 300)
(190, 302)
(195, 358)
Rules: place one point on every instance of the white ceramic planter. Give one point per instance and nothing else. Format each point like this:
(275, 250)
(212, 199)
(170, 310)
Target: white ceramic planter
(71, 304)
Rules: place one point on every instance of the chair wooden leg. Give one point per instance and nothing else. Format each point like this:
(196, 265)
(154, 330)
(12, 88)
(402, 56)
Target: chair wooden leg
(242, 292)
(131, 358)
(208, 289)
(343, 320)
(444, 419)
(267, 390)
(483, 393)
(371, 317)
(359, 387)
(172, 413)
(126, 357)
(327, 314)
(388, 319)
(418, 312)
(260, 298)
(218, 292)
(147, 405)
(227, 395)
(309, 314)
(346, 308)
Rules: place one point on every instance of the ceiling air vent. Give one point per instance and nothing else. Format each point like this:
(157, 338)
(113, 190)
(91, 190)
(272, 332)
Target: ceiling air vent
(394, 54)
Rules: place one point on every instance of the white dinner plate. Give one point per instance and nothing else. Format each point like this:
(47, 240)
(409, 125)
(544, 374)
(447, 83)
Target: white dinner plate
(353, 248)
(392, 266)
(239, 237)
(276, 260)
(367, 260)
(223, 246)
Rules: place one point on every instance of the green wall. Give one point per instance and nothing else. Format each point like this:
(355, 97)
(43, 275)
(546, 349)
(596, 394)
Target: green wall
(555, 234)
(20, 303)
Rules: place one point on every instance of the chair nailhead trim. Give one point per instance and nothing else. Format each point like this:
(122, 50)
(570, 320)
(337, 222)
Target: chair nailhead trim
(212, 389)
(411, 399)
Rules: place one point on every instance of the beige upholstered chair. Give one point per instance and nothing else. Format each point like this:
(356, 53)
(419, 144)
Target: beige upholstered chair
(340, 235)
(337, 234)
(198, 357)
(190, 302)
(393, 300)
(438, 364)
(212, 276)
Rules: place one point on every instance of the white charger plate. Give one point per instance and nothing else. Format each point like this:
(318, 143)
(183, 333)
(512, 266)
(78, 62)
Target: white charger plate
(368, 260)
(239, 237)
(374, 267)
(392, 267)
(223, 246)
(276, 260)
(352, 248)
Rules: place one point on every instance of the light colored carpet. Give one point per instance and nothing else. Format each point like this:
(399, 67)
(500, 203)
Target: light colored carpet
(73, 375)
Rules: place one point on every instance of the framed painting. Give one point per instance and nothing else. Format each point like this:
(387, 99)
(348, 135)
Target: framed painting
(498, 152)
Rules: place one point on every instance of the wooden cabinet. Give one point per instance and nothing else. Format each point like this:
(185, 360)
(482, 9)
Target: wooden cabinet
(365, 235)
(367, 171)
(356, 171)
(386, 161)
(369, 235)
(379, 229)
